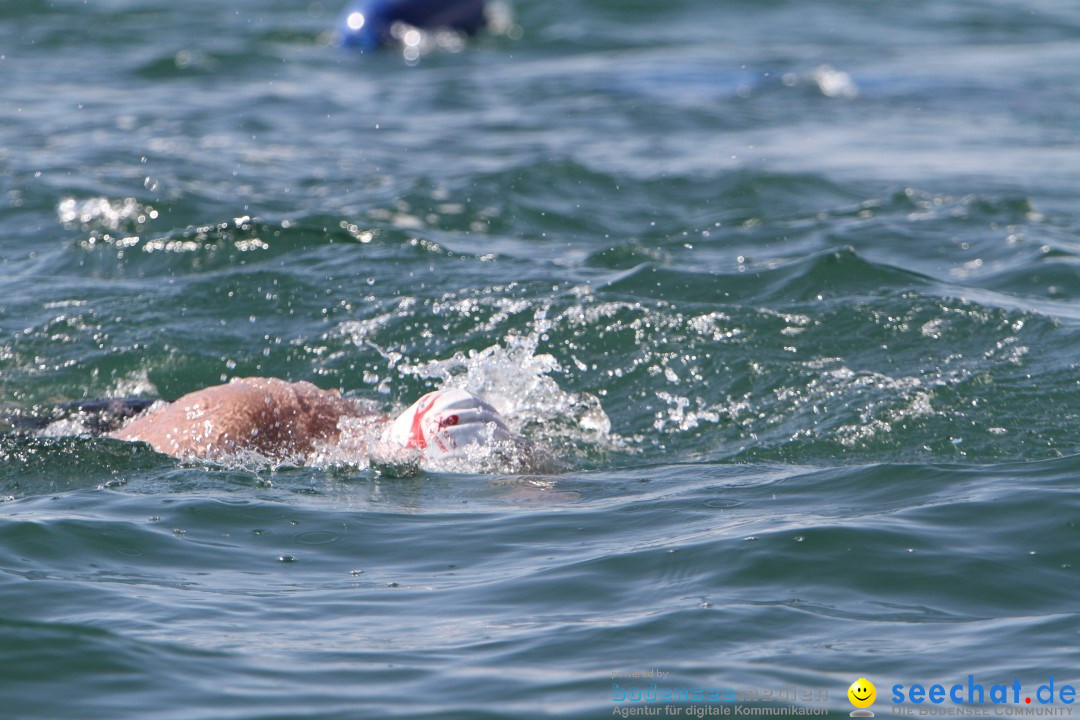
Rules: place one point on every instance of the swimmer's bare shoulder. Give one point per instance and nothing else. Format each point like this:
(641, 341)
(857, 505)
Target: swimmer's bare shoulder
(270, 416)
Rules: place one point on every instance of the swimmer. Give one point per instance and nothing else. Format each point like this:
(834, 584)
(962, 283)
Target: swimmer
(449, 429)
(369, 24)
(283, 420)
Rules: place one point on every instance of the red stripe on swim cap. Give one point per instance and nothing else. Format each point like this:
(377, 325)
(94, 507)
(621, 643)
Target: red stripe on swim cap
(416, 433)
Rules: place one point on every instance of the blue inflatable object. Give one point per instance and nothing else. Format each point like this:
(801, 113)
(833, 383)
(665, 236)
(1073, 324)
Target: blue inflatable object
(365, 24)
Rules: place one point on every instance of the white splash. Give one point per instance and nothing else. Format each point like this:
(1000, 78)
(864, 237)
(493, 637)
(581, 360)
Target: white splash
(834, 83)
(101, 213)
(517, 381)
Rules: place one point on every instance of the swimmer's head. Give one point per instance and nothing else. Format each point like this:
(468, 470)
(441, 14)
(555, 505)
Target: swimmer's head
(448, 424)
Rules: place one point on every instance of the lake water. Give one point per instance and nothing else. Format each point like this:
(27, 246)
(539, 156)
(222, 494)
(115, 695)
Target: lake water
(792, 288)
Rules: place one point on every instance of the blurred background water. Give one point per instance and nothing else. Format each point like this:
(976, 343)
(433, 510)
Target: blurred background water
(792, 286)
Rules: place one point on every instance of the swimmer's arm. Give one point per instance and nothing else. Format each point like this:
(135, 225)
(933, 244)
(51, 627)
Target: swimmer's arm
(269, 416)
(206, 423)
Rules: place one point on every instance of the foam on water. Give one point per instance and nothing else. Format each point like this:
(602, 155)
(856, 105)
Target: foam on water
(102, 213)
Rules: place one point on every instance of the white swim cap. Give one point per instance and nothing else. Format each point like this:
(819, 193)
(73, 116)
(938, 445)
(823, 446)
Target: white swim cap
(445, 423)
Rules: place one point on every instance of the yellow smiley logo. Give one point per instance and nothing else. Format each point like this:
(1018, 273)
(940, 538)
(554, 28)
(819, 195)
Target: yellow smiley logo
(862, 693)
